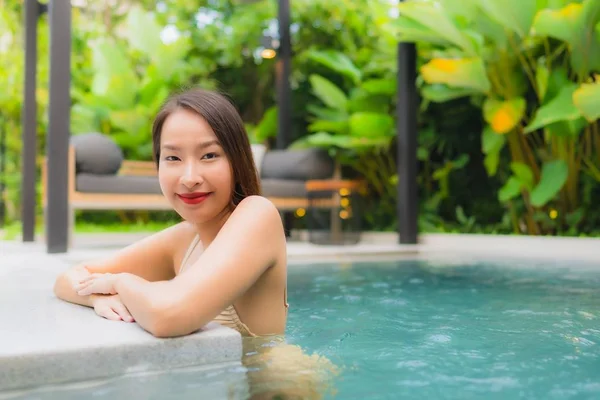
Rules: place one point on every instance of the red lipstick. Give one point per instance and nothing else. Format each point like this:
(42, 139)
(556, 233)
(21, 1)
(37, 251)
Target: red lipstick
(193, 198)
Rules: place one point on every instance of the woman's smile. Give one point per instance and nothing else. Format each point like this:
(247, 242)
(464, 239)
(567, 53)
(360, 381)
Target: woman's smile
(193, 198)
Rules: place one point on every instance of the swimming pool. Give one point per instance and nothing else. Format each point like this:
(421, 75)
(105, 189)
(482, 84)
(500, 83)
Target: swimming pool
(418, 329)
(411, 329)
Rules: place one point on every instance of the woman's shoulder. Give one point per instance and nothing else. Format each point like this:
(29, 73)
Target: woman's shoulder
(258, 202)
(260, 210)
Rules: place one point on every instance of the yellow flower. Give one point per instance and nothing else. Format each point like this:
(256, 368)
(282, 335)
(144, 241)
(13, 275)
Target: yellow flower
(503, 120)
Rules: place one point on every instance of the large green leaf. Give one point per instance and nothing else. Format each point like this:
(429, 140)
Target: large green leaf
(267, 127)
(587, 100)
(413, 32)
(338, 62)
(574, 24)
(569, 128)
(380, 86)
(129, 121)
(328, 93)
(324, 140)
(542, 76)
(460, 9)
(493, 31)
(327, 113)
(436, 20)
(523, 173)
(491, 145)
(338, 127)
(169, 59)
(151, 88)
(361, 100)
(561, 108)
(557, 80)
(440, 93)
(143, 32)
(515, 15)
(84, 119)
(510, 190)
(371, 125)
(468, 73)
(554, 176)
(114, 78)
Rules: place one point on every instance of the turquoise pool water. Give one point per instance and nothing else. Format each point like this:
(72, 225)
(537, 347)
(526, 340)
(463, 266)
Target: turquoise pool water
(413, 330)
(423, 330)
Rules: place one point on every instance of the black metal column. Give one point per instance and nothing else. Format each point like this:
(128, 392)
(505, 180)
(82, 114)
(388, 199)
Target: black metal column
(407, 108)
(57, 220)
(284, 91)
(29, 124)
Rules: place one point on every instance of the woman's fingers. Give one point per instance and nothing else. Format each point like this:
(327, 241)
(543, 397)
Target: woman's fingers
(91, 277)
(123, 312)
(85, 282)
(109, 313)
(101, 284)
(85, 290)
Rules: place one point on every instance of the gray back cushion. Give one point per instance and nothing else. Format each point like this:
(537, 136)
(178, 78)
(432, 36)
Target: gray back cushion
(302, 164)
(97, 154)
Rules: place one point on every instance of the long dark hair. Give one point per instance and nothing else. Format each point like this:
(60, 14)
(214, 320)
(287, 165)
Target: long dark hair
(229, 128)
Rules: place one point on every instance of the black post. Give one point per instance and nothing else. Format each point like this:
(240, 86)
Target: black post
(407, 105)
(284, 91)
(57, 220)
(29, 123)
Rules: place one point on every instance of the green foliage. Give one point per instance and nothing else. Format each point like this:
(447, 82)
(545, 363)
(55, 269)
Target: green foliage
(530, 66)
(509, 139)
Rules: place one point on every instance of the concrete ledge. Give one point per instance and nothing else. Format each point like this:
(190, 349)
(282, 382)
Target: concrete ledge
(523, 247)
(45, 341)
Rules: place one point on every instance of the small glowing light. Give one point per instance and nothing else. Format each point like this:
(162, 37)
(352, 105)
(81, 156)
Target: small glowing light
(344, 192)
(268, 53)
(345, 202)
(344, 214)
(301, 212)
(553, 214)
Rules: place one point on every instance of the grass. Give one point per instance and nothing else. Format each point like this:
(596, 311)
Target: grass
(13, 231)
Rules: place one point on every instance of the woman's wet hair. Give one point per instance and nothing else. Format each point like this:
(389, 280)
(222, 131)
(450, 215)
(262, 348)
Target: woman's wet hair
(226, 123)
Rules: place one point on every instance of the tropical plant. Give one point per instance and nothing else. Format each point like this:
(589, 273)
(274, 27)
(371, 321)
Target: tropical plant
(355, 126)
(531, 66)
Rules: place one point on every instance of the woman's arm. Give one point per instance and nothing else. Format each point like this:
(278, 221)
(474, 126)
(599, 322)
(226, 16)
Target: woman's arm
(66, 282)
(150, 258)
(247, 245)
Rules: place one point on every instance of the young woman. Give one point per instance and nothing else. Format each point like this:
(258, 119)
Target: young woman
(226, 262)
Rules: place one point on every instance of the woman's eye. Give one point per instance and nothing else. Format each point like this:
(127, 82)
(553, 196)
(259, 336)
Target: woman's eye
(171, 158)
(209, 156)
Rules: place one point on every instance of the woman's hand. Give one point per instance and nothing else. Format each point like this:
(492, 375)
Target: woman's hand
(111, 307)
(97, 284)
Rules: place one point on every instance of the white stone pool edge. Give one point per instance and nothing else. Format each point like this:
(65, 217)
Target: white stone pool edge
(50, 342)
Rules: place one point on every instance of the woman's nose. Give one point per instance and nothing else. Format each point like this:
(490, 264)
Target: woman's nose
(191, 176)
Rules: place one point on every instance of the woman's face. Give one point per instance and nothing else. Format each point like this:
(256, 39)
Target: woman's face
(194, 172)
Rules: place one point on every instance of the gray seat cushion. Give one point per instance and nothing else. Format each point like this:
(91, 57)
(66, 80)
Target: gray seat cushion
(282, 188)
(90, 183)
(96, 154)
(301, 165)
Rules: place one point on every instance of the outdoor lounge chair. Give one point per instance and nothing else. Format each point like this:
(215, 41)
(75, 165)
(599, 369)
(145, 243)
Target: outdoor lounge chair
(99, 178)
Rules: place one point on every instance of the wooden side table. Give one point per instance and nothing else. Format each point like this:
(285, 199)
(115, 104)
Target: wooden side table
(341, 200)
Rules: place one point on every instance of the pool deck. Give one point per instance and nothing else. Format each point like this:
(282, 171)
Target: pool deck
(52, 342)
